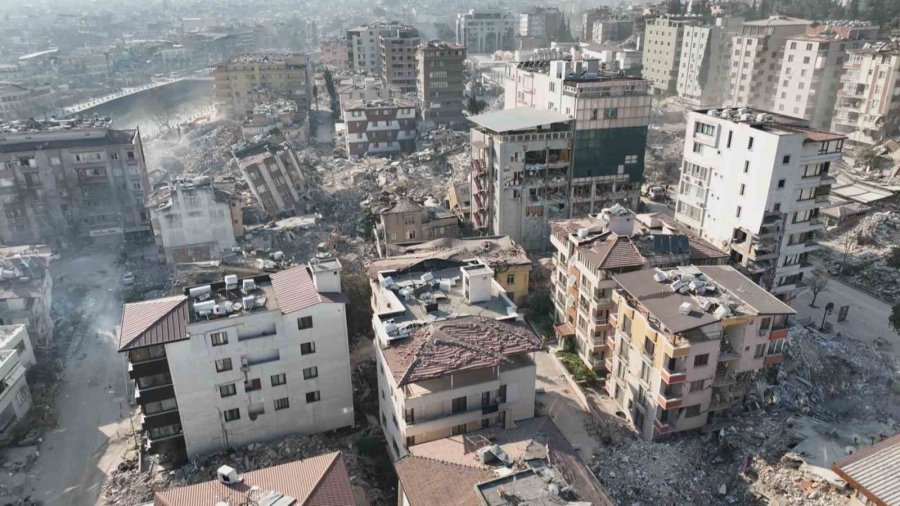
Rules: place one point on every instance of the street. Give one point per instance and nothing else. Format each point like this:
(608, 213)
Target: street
(93, 428)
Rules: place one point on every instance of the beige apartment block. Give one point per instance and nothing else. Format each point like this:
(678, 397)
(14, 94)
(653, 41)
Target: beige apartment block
(233, 81)
(452, 353)
(662, 53)
(869, 92)
(398, 57)
(406, 223)
(756, 56)
(705, 55)
(590, 250)
(811, 72)
(688, 344)
(276, 180)
(441, 83)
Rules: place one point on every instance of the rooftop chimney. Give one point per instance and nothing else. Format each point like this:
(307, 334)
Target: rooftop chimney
(618, 220)
(326, 274)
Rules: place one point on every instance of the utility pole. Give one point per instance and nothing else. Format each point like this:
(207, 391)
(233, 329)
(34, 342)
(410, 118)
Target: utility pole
(828, 308)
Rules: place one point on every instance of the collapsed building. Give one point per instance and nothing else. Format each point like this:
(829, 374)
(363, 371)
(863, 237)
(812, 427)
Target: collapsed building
(26, 290)
(235, 80)
(272, 110)
(406, 223)
(274, 175)
(688, 341)
(366, 89)
(16, 356)
(72, 180)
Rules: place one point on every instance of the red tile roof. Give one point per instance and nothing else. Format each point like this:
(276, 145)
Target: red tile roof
(157, 321)
(471, 342)
(295, 290)
(614, 252)
(429, 481)
(318, 481)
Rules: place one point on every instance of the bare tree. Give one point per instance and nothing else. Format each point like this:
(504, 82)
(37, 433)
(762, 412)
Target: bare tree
(817, 282)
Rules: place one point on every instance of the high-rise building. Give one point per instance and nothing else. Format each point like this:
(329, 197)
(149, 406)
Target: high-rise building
(588, 18)
(380, 127)
(756, 58)
(486, 30)
(689, 342)
(865, 98)
(440, 83)
(398, 57)
(663, 40)
(705, 57)
(611, 113)
(752, 184)
(590, 250)
(286, 73)
(811, 73)
(611, 30)
(364, 47)
(240, 361)
(71, 180)
(452, 354)
(540, 22)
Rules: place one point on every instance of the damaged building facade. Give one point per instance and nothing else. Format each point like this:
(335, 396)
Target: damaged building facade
(451, 352)
(590, 251)
(860, 110)
(611, 113)
(380, 127)
(71, 180)
(16, 356)
(26, 290)
(753, 184)
(406, 223)
(688, 342)
(240, 361)
(235, 80)
(194, 221)
(275, 178)
(441, 83)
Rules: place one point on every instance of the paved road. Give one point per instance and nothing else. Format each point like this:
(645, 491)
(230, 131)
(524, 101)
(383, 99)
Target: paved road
(652, 206)
(91, 405)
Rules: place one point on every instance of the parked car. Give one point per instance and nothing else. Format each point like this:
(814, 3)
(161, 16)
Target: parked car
(128, 279)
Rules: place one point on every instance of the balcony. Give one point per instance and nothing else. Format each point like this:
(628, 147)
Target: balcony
(727, 353)
(777, 334)
(148, 367)
(669, 400)
(613, 319)
(661, 427)
(723, 379)
(444, 421)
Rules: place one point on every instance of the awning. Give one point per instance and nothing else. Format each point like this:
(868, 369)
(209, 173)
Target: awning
(564, 330)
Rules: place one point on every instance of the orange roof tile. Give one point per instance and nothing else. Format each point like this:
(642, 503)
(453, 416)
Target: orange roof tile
(429, 481)
(151, 322)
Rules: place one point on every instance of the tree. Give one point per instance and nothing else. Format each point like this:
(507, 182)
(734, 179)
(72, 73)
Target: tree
(817, 283)
(867, 158)
(475, 106)
(894, 319)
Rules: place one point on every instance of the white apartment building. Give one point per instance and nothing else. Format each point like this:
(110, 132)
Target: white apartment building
(486, 30)
(752, 184)
(16, 355)
(756, 57)
(364, 47)
(870, 90)
(704, 63)
(810, 77)
(663, 40)
(688, 344)
(240, 361)
(193, 221)
(26, 292)
(611, 113)
(451, 352)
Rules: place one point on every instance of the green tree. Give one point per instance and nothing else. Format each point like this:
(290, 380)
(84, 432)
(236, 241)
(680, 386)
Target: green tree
(475, 106)
(895, 318)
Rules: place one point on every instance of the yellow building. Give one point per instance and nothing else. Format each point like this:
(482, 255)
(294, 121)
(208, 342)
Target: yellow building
(286, 73)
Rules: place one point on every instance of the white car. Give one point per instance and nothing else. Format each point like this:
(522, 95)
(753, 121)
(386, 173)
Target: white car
(128, 278)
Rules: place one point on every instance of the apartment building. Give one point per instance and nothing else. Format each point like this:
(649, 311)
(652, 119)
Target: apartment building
(15, 101)
(520, 173)
(486, 30)
(26, 290)
(810, 78)
(398, 57)
(757, 54)
(588, 18)
(364, 47)
(441, 83)
(194, 221)
(753, 184)
(451, 353)
(868, 92)
(365, 89)
(590, 250)
(73, 180)
(704, 65)
(240, 361)
(611, 30)
(663, 41)
(688, 344)
(380, 127)
(406, 222)
(289, 73)
(540, 22)
(16, 356)
(611, 112)
(508, 260)
(333, 53)
(276, 179)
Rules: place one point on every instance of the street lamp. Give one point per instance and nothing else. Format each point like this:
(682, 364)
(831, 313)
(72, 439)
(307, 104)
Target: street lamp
(828, 308)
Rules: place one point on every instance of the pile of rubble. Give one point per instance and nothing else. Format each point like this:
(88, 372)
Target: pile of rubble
(131, 485)
(205, 150)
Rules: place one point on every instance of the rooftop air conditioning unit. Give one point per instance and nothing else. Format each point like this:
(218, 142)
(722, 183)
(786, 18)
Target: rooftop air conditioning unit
(231, 282)
(582, 233)
(248, 302)
(221, 309)
(228, 475)
(712, 112)
(248, 285)
(204, 308)
(685, 308)
(199, 292)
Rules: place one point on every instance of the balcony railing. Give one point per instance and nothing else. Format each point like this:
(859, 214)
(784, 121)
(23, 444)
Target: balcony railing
(672, 377)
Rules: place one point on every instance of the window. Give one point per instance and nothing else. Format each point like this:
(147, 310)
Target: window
(728, 143)
(697, 147)
(750, 143)
(232, 414)
(510, 279)
(307, 348)
(304, 322)
(692, 411)
(786, 160)
(252, 385)
(704, 128)
(282, 403)
(218, 338)
(594, 114)
(278, 379)
(696, 386)
(701, 360)
(746, 166)
(760, 350)
(313, 396)
(130, 155)
(459, 404)
(223, 365)
(743, 187)
(227, 390)
(459, 429)
(610, 113)
(737, 213)
(311, 372)
(781, 183)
